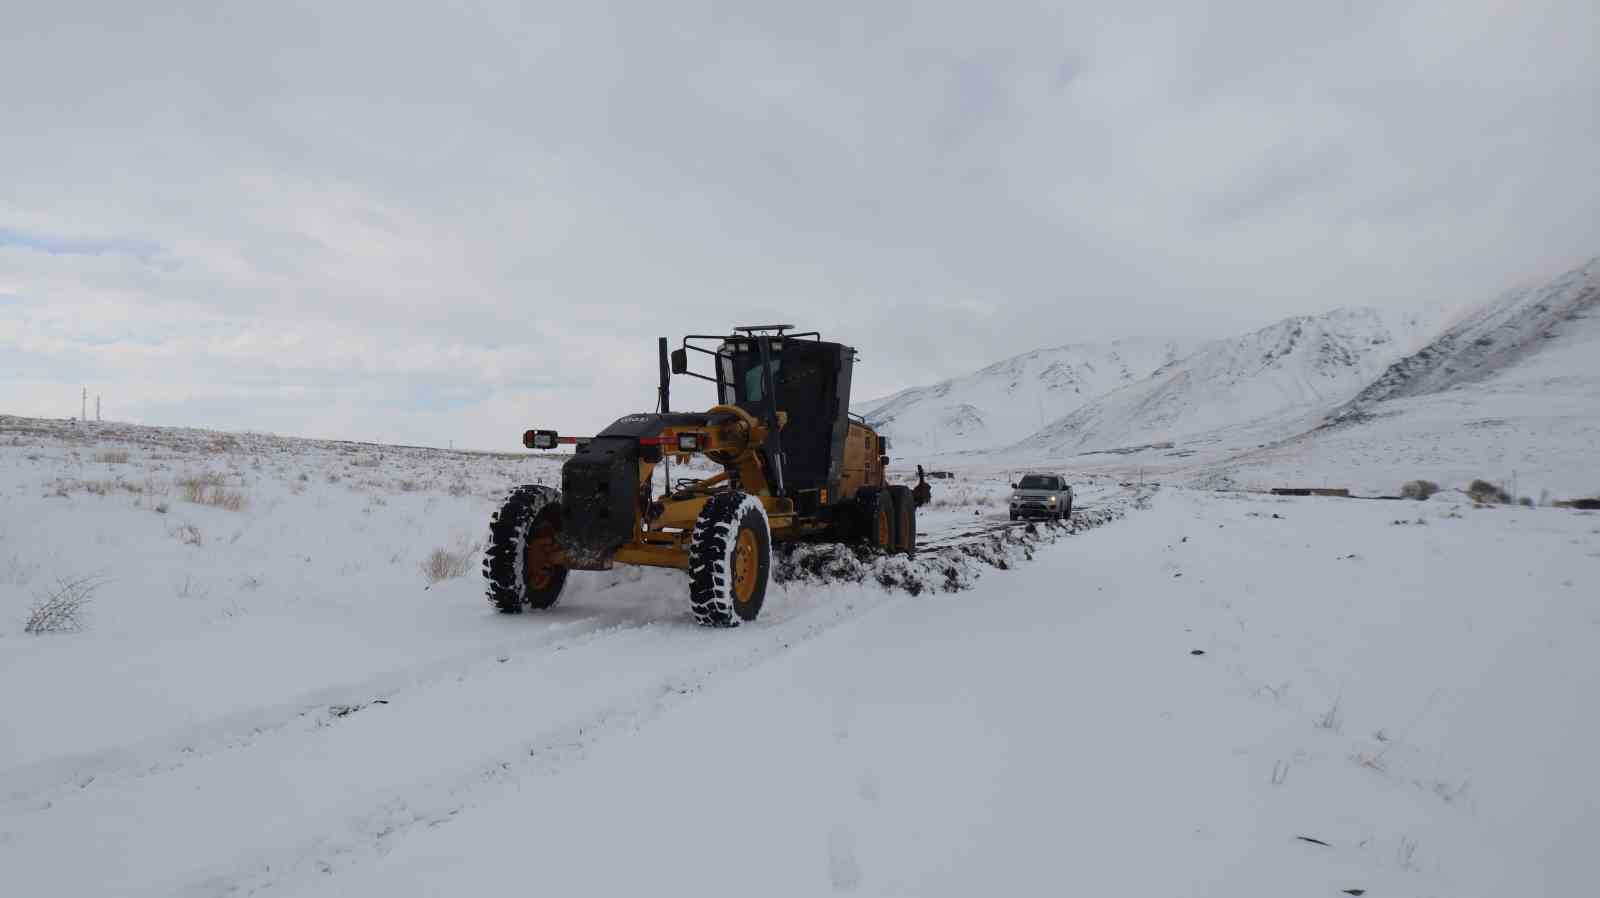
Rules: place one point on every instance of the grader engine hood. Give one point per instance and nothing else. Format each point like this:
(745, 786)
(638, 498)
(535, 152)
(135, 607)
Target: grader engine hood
(600, 485)
(651, 424)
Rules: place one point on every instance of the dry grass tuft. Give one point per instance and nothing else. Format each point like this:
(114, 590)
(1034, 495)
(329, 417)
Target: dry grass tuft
(112, 457)
(1333, 718)
(208, 489)
(63, 487)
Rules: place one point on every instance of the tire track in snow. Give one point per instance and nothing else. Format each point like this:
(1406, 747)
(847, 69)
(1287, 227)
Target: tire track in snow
(34, 786)
(437, 801)
(442, 799)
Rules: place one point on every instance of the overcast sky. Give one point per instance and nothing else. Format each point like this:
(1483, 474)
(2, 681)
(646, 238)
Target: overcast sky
(449, 222)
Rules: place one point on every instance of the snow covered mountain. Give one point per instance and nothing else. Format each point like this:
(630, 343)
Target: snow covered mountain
(1267, 380)
(1494, 338)
(1006, 401)
(1510, 393)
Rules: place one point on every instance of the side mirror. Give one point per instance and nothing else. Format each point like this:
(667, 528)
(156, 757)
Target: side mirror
(680, 361)
(1015, 487)
(539, 439)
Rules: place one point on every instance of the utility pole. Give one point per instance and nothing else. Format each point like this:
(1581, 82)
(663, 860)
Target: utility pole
(85, 415)
(97, 408)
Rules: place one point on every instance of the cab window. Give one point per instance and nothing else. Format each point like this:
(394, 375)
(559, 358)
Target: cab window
(740, 370)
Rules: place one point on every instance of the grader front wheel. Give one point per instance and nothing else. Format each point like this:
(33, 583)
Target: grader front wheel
(518, 564)
(746, 567)
(730, 560)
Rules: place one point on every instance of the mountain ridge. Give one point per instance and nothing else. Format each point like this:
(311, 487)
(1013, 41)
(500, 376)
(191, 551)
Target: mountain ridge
(1004, 401)
(1283, 371)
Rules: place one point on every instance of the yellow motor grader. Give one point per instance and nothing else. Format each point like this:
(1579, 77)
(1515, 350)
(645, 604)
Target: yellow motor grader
(795, 465)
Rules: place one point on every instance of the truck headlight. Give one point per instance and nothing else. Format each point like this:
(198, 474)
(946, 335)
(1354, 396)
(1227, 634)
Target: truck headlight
(1051, 500)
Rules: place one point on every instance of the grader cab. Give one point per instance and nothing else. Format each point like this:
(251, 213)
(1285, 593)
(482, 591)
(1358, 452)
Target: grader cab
(794, 464)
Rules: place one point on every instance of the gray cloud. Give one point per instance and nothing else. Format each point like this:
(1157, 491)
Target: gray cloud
(448, 222)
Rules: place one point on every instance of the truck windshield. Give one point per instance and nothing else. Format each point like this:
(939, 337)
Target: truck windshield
(1037, 482)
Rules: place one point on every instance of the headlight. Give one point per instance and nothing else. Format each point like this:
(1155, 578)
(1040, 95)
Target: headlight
(1015, 498)
(1051, 500)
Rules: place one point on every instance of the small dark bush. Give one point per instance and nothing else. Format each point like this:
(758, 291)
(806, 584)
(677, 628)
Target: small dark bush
(1485, 493)
(1419, 489)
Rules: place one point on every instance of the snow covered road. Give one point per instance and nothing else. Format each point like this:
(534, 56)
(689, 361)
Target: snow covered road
(1391, 690)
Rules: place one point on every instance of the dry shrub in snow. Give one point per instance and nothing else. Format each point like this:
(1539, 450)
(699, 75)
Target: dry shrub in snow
(58, 610)
(227, 500)
(447, 564)
(188, 533)
(195, 486)
(1419, 489)
(1485, 493)
(112, 457)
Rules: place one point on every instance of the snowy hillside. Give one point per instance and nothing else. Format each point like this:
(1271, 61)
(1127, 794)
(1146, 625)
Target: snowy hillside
(1511, 394)
(1263, 382)
(1010, 399)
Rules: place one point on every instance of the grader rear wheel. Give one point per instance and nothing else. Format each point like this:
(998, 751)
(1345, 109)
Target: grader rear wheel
(877, 516)
(905, 520)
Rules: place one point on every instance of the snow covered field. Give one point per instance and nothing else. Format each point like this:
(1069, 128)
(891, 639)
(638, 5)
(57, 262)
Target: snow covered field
(286, 682)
